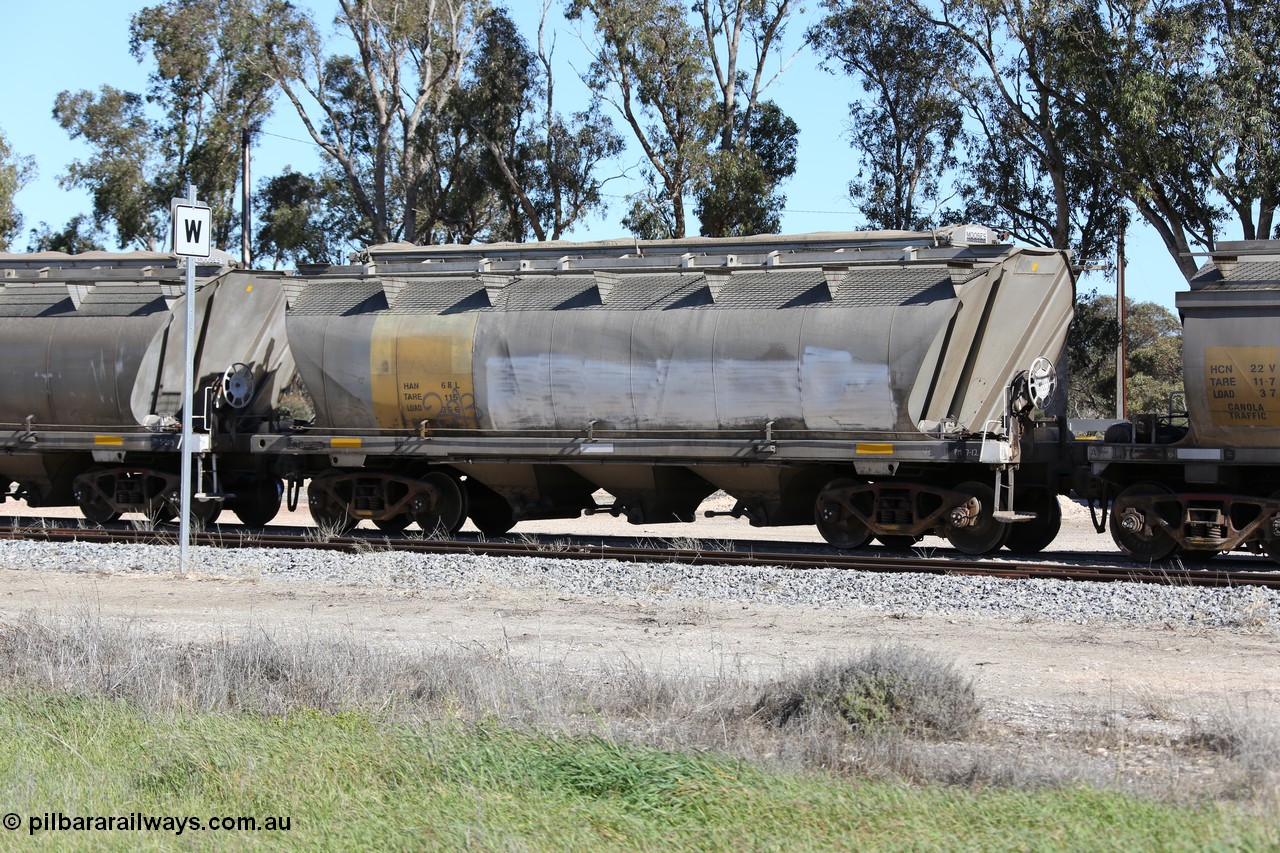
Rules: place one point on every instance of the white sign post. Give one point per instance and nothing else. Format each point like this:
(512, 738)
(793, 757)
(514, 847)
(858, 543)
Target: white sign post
(191, 224)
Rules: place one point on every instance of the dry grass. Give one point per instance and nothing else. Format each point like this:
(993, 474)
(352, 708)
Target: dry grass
(892, 713)
(698, 545)
(296, 402)
(887, 690)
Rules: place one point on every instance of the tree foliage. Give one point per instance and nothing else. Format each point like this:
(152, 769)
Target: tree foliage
(294, 222)
(79, 235)
(438, 121)
(906, 134)
(1171, 106)
(1027, 165)
(15, 171)
(206, 87)
(741, 195)
(651, 66)
(539, 166)
(209, 84)
(1183, 97)
(695, 107)
(1153, 371)
(120, 174)
(757, 140)
(371, 113)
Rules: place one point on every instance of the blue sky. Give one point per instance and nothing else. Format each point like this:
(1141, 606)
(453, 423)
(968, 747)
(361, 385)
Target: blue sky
(84, 44)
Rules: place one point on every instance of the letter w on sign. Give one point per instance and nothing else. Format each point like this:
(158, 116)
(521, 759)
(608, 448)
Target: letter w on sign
(191, 227)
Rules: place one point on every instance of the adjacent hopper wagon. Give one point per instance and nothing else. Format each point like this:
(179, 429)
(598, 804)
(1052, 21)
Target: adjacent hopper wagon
(91, 382)
(866, 381)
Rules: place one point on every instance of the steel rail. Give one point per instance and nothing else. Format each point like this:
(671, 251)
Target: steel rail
(1163, 573)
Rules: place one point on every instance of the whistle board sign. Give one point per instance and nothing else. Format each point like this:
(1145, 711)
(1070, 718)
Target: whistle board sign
(191, 226)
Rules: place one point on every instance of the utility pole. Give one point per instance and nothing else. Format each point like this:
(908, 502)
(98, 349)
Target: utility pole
(1121, 350)
(246, 218)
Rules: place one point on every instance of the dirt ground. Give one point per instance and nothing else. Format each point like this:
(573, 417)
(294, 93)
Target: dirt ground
(1030, 674)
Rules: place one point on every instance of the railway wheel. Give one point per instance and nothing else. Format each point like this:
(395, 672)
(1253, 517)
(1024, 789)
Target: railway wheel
(1032, 537)
(330, 515)
(205, 512)
(94, 506)
(99, 512)
(971, 527)
(258, 502)
(92, 502)
(1134, 524)
(1272, 544)
(446, 511)
(898, 543)
(838, 521)
(491, 513)
(394, 524)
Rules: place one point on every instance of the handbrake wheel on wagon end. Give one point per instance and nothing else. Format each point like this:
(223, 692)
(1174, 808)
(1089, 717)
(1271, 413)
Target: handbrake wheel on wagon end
(237, 385)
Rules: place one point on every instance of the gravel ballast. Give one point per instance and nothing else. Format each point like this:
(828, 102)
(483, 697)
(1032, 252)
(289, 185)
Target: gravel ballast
(1117, 603)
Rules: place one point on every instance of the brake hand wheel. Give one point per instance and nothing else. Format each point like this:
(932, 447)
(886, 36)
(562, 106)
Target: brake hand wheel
(237, 385)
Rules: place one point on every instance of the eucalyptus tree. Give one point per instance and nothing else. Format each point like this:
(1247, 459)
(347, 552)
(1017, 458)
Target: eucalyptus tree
(650, 65)
(542, 167)
(1154, 356)
(207, 88)
(78, 235)
(369, 112)
(121, 172)
(691, 92)
(295, 222)
(741, 195)
(907, 129)
(1029, 165)
(15, 172)
(1183, 98)
(756, 152)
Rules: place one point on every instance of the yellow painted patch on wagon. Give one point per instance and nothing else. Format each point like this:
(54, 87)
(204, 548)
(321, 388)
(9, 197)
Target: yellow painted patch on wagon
(1243, 384)
(421, 369)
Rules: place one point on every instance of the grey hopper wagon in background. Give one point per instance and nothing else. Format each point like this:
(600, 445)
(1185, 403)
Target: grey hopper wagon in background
(1204, 477)
(864, 377)
(91, 381)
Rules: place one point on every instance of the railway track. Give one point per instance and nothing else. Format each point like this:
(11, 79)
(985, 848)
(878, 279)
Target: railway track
(1255, 573)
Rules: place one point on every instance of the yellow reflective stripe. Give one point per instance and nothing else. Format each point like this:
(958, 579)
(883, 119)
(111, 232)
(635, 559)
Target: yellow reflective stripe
(108, 439)
(873, 449)
(345, 442)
